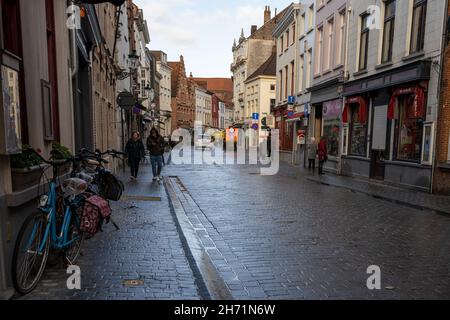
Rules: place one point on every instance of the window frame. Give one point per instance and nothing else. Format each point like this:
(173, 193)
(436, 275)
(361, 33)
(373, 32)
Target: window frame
(364, 31)
(420, 37)
(388, 20)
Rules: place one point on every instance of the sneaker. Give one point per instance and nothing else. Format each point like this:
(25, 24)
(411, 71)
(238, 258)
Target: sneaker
(155, 178)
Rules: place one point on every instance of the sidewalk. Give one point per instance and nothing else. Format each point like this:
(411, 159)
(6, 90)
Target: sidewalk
(144, 260)
(414, 199)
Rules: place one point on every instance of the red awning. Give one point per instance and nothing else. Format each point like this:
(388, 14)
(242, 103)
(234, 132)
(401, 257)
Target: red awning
(363, 112)
(419, 101)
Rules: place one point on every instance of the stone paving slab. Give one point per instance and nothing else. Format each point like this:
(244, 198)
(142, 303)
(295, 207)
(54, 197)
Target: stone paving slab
(296, 239)
(411, 198)
(147, 247)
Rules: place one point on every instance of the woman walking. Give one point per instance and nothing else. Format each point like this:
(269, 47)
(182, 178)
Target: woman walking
(135, 151)
(323, 154)
(155, 144)
(312, 154)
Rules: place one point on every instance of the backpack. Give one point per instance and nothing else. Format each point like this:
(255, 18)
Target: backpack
(112, 187)
(95, 211)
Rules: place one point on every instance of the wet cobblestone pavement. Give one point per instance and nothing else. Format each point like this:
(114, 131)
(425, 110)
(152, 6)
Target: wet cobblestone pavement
(269, 237)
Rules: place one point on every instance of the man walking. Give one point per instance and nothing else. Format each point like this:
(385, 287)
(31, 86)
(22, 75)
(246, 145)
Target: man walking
(155, 145)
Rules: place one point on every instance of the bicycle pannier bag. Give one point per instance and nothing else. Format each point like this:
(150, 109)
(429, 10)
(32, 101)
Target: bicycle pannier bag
(113, 187)
(96, 210)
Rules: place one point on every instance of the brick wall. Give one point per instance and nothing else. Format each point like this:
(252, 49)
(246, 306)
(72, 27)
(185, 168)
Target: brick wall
(442, 175)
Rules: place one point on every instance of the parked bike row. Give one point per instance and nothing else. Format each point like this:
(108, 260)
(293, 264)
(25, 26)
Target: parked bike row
(69, 212)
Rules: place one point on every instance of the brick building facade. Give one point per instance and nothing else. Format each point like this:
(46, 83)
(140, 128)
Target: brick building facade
(441, 184)
(183, 96)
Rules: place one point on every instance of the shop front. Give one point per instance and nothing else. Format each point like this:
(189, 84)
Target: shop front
(387, 131)
(325, 119)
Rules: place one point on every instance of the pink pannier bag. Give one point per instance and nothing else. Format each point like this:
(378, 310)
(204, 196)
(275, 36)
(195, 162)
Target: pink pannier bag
(96, 209)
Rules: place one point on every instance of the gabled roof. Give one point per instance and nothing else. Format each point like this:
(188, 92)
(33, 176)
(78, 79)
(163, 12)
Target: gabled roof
(265, 31)
(176, 67)
(268, 68)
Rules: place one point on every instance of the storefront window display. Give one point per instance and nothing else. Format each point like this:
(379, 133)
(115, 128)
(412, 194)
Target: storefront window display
(409, 130)
(331, 125)
(358, 132)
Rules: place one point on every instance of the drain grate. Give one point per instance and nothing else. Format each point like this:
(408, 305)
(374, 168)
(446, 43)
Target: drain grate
(133, 283)
(141, 198)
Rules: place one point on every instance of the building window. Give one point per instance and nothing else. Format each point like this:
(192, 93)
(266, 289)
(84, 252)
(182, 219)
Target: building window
(319, 51)
(292, 77)
(308, 68)
(409, 130)
(311, 17)
(301, 73)
(281, 85)
(287, 39)
(418, 26)
(272, 87)
(388, 33)
(340, 40)
(358, 132)
(329, 45)
(302, 23)
(364, 41)
(281, 44)
(293, 33)
(286, 76)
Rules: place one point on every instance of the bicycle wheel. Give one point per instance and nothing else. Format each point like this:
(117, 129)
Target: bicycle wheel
(27, 263)
(72, 251)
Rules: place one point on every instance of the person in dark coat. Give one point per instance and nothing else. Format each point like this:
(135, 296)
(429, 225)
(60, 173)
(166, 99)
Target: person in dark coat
(135, 152)
(156, 146)
(322, 152)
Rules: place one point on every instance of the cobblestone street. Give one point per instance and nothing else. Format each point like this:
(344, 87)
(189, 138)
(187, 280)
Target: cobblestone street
(268, 237)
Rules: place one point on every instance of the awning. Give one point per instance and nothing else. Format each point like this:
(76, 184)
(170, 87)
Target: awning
(419, 101)
(363, 112)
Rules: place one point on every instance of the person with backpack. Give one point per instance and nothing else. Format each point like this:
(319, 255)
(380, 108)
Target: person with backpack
(135, 152)
(156, 145)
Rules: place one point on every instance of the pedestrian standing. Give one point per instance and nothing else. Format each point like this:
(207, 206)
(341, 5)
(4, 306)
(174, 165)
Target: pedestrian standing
(155, 145)
(322, 152)
(269, 143)
(135, 152)
(312, 154)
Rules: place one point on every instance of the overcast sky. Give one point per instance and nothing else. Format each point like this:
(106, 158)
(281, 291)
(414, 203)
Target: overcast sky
(203, 30)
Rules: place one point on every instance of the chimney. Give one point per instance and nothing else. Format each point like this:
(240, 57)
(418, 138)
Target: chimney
(254, 28)
(267, 14)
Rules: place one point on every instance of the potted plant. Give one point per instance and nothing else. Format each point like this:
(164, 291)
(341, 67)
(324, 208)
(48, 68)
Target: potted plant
(60, 152)
(26, 169)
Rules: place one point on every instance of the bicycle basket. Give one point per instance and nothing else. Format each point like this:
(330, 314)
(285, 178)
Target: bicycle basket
(74, 187)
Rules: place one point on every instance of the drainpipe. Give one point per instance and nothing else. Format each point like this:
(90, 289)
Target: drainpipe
(346, 72)
(294, 140)
(443, 50)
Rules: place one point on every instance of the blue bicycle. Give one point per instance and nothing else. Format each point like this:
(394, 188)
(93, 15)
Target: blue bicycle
(55, 225)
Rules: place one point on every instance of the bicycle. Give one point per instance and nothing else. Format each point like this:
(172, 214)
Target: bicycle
(41, 231)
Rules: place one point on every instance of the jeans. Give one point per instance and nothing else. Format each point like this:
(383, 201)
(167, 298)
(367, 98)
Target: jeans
(157, 164)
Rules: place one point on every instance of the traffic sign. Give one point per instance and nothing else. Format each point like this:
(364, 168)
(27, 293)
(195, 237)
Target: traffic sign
(255, 126)
(255, 116)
